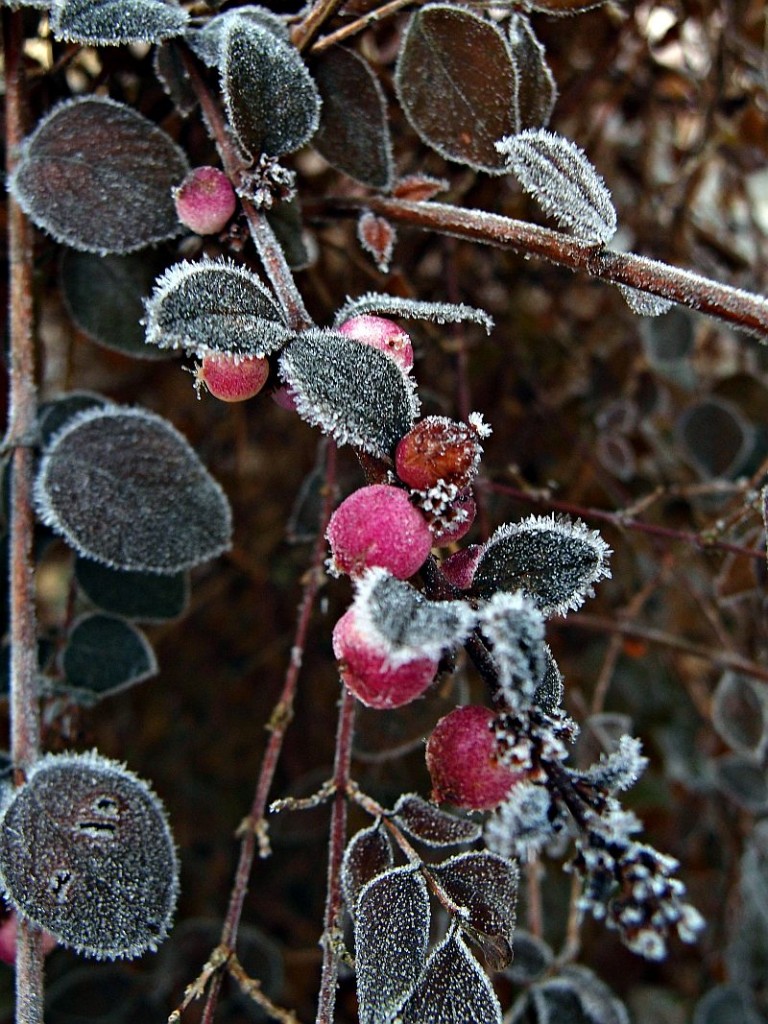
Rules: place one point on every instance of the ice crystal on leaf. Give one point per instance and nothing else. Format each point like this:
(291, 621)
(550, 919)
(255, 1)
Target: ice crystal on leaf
(368, 854)
(206, 42)
(380, 304)
(621, 769)
(644, 303)
(515, 629)
(522, 825)
(431, 825)
(86, 853)
(562, 180)
(214, 306)
(112, 22)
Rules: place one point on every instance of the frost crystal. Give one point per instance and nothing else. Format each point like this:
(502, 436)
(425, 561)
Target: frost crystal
(406, 622)
(515, 630)
(522, 825)
(562, 180)
(643, 303)
(414, 309)
(621, 769)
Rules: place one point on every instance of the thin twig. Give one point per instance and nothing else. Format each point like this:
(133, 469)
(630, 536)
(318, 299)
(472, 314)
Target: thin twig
(354, 27)
(303, 33)
(25, 719)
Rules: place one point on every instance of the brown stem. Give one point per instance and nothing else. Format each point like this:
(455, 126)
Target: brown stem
(253, 829)
(740, 308)
(355, 27)
(25, 721)
(329, 976)
(303, 33)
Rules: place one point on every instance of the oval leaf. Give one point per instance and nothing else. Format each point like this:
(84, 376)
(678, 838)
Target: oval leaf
(715, 437)
(740, 712)
(353, 392)
(112, 22)
(377, 237)
(206, 42)
(135, 595)
(743, 780)
(431, 825)
(391, 935)
(368, 855)
(553, 560)
(98, 176)
(105, 298)
(453, 990)
(563, 182)
(105, 654)
(272, 102)
(123, 487)
(53, 415)
(456, 83)
(214, 306)
(86, 854)
(380, 304)
(536, 91)
(358, 145)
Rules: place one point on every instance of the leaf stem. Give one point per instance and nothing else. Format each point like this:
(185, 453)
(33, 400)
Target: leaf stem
(25, 720)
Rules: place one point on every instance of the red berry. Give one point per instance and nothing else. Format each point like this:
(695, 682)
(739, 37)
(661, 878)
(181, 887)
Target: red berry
(229, 378)
(438, 449)
(378, 526)
(462, 758)
(383, 335)
(454, 521)
(369, 672)
(205, 200)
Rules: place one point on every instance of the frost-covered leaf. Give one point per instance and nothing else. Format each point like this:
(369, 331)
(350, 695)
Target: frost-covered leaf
(123, 487)
(715, 437)
(453, 990)
(86, 853)
(354, 134)
(105, 297)
(562, 7)
(368, 854)
(113, 22)
(549, 692)
(377, 237)
(272, 102)
(431, 825)
(206, 42)
(535, 92)
(564, 183)
(555, 561)
(285, 220)
(105, 654)
(575, 996)
(174, 77)
(136, 595)
(98, 176)
(643, 303)
(740, 712)
(522, 825)
(214, 306)
(419, 187)
(620, 769)
(380, 304)
(514, 628)
(743, 780)
(532, 956)
(407, 622)
(486, 885)
(456, 83)
(54, 414)
(391, 936)
(353, 392)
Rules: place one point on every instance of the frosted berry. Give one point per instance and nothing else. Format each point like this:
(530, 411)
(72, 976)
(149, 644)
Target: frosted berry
(460, 567)
(378, 526)
(370, 673)
(454, 521)
(381, 334)
(231, 379)
(462, 758)
(205, 200)
(437, 450)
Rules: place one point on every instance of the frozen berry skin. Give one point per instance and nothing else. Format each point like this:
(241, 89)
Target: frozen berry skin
(463, 763)
(381, 334)
(230, 379)
(378, 526)
(459, 568)
(455, 522)
(438, 450)
(369, 673)
(205, 200)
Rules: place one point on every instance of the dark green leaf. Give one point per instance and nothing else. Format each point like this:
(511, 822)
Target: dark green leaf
(104, 296)
(368, 855)
(354, 133)
(452, 990)
(206, 42)
(135, 595)
(113, 22)
(98, 176)
(431, 825)
(456, 83)
(285, 220)
(105, 654)
(54, 414)
(536, 90)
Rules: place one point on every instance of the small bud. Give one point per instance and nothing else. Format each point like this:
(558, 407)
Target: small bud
(231, 379)
(378, 526)
(381, 334)
(438, 449)
(462, 759)
(455, 521)
(460, 567)
(368, 671)
(205, 200)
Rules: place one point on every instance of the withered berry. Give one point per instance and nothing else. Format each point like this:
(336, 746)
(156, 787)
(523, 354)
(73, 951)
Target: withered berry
(438, 449)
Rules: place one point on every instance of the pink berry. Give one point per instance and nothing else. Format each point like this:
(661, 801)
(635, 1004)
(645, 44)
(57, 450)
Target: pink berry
(383, 335)
(231, 379)
(368, 671)
(459, 568)
(462, 758)
(455, 521)
(436, 450)
(205, 200)
(378, 526)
